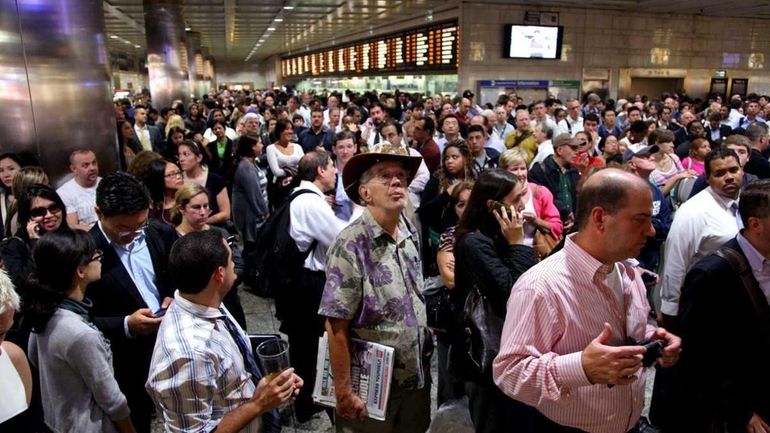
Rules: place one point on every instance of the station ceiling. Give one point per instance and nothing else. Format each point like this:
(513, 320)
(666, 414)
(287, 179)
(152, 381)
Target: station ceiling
(231, 29)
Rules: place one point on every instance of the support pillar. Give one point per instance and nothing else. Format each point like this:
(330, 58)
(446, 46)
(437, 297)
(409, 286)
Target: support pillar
(57, 94)
(164, 27)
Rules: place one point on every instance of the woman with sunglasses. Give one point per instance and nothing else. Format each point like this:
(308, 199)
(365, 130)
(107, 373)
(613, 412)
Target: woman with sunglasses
(41, 210)
(191, 213)
(73, 357)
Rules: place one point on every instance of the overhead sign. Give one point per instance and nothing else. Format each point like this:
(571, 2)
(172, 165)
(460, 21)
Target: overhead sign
(520, 84)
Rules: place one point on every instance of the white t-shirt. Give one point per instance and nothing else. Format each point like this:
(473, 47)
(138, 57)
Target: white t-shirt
(80, 200)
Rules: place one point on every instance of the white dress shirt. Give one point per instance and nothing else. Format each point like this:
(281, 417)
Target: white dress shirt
(701, 225)
(569, 126)
(311, 218)
(760, 266)
(543, 150)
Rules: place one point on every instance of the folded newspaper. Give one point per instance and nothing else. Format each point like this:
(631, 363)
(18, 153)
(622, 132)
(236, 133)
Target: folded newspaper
(371, 370)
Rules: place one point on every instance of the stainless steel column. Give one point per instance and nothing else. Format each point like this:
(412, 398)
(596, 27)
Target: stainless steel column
(194, 68)
(164, 27)
(59, 94)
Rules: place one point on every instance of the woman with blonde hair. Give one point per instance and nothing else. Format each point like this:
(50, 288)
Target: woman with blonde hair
(190, 214)
(540, 213)
(174, 121)
(25, 178)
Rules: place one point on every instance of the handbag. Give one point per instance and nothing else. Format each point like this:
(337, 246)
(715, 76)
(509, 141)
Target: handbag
(438, 305)
(483, 330)
(544, 242)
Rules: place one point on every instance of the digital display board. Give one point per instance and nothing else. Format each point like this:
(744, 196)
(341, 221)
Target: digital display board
(424, 49)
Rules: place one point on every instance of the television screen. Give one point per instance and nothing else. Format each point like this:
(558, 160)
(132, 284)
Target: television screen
(532, 42)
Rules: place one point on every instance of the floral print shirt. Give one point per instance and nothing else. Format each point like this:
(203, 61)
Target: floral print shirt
(374, 281)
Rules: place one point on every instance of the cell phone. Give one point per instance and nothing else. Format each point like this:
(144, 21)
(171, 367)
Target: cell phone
(497, 206)
(160, 313)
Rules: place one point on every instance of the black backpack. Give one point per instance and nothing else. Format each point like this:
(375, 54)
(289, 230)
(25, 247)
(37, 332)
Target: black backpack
(276, 261)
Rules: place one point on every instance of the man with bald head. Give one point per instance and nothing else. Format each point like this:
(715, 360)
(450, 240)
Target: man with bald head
(570, 345)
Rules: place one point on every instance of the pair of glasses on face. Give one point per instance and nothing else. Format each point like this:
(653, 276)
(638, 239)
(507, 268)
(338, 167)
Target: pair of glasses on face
(38, 212)
(173, 174)
(387, 177)
(124, 233)
(97, 256)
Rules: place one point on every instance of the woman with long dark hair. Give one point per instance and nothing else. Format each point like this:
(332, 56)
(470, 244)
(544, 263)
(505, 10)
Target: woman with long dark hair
(221, 152)
(164, 179)
(490, 255)
(174, 138)
(41, 210)
(283, 158)
(250, 207)
(191, 160)
(73, 357)
(127, 146)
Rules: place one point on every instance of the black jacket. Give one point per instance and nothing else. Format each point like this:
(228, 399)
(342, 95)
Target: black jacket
(115, 296)
(724, 131)
(757, 165)
(547, 174)
(722, 373)
(224, 166)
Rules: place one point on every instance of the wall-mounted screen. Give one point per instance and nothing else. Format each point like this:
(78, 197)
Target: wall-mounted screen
(532, 42)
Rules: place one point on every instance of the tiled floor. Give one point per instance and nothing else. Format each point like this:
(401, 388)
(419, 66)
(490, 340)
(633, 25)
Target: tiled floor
(260, 319)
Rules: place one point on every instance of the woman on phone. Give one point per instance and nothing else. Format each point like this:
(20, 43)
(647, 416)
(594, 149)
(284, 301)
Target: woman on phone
(490, 255)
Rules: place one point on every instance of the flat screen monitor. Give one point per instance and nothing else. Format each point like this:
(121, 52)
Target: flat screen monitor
(532, 42)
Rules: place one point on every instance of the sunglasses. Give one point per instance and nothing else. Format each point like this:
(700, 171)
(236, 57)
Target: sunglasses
(37, 212)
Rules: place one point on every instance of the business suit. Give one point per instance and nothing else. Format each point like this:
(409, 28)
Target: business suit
(115, 296)
(156, 138)
(722, 373)
(724, 131)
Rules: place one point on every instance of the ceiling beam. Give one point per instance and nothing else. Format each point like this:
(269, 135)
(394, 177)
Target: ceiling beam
(124, 19)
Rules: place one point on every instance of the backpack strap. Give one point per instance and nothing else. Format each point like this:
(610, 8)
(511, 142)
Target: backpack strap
(740, 265)
(294, 195)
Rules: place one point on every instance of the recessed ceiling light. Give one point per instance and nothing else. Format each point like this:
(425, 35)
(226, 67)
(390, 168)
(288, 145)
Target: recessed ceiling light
(271, 29)
(113, 37)
(187, 29)
(137, 46)
(288, 8)
(279, 20)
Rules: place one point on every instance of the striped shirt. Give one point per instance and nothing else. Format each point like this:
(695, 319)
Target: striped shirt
(197, 374)
(555, 310)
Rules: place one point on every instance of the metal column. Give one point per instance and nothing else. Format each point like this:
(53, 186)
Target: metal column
(166, 50)
(58, 95)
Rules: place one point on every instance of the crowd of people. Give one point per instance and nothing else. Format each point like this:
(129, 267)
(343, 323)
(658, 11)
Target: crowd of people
(551, 254)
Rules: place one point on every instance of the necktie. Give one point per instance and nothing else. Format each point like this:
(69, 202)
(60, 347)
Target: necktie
(737, 214)
(146, 145)
(270, 420)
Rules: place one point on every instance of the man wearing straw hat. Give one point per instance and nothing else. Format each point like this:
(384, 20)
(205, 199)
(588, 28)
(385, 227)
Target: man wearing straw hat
(372, 292)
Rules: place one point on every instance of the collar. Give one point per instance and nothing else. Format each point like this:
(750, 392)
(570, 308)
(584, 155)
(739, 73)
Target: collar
(306, 184)
(376, 231)
(141, 128)
(756, 260)
(198, 310)
(590, 268)
(724, 202)
(138, 240)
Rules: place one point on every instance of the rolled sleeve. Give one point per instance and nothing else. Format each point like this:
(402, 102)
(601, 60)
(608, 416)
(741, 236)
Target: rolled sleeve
(343, 290)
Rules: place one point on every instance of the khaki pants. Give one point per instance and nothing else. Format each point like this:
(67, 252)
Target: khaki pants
(408, 412)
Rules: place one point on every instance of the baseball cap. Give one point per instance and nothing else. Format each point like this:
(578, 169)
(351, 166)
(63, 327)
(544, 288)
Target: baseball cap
(468, 94)
(564, 139)
(645, 151)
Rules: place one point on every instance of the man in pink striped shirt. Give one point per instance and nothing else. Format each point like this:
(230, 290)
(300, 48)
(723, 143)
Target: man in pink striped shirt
(564, 344)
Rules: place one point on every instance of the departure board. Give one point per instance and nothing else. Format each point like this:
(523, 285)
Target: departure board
(424, 49)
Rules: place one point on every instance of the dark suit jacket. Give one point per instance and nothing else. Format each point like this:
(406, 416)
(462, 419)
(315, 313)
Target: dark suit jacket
(115, 296)
(156, 138)
(722, 370)
(724, 131)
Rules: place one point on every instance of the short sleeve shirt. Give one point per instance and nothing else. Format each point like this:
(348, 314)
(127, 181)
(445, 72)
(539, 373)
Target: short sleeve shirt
(446, 243)
(374, 281)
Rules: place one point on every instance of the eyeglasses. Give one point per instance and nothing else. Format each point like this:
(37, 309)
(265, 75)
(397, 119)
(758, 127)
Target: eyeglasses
(124, 233)
(387, 177)
(174, 174)
(37, 212)
(98, 254)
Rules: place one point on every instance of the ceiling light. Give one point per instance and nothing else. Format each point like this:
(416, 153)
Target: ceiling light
(113, 37)
(137, 46)
(279, 20)
(271, 29)
(187, 29)
(288, 8)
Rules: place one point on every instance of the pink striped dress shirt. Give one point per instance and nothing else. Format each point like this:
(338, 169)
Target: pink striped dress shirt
(555, 310)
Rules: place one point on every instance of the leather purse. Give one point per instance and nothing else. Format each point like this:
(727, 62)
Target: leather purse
(483, 329)
(544, 243)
